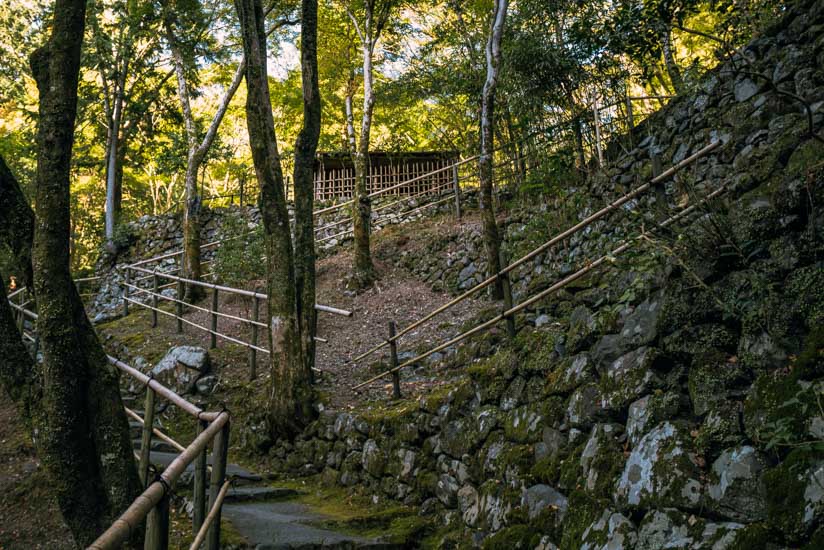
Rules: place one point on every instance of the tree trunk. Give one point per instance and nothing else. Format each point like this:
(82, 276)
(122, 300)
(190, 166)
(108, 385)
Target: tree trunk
(289, 406)
(197, 153)
(364, 271)
(17, 370)
(305, 149)
(85, 441)
(673, 70)
(492, 241)
(112, 157)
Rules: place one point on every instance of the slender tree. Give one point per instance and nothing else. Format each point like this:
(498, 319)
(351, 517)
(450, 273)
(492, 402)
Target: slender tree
(84, 439)
(492, 240)
(375, 16)
(305, 149)
(290, 392)
(198, 147)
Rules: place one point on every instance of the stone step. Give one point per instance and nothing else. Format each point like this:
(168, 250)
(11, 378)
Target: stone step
(162, 459)
(157, 445)
(258, 493)
(287, 525)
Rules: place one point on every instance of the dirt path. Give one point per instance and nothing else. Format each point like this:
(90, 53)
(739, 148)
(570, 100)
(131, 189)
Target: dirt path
(398, 297)
(29, 517)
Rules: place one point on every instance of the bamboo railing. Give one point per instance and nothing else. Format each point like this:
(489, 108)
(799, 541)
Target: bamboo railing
(503, 275)
(152, 506)
(253, 346)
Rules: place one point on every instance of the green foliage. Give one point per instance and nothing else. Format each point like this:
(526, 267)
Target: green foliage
(241, 258)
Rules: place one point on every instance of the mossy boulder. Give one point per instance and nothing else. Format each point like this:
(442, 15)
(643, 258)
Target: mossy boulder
(648, 412)
(661, 471)
(460, 437)
(712, 378)
(612, 531)
(570, 373)
(525, 424)
(795, 500)
(736, 490)
(779, 408)
(602, 459)
(629, 377)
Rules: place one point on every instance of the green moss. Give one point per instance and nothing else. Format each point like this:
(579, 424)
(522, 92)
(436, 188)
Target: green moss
(583, 510)
(785, 499)
(756, 536)
(516, 536)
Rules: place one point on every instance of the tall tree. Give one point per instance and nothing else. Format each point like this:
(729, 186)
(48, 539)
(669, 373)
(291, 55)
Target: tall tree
(85, 440)
(305, 148)
(198, 144)
(124, 54)
(369, 18)
(290, 403)
(492, 240)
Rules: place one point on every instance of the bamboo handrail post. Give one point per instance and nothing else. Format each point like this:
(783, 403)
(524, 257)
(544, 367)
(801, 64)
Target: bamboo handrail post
(146, 438)
(126, 292)
(157, 526)
(252, 350)
(393, 361)
(203, 529)
(219, 451)
(456, 183)
(155, 284)
(179, 306)
(507, 288)
(199, 491)
(213, 334)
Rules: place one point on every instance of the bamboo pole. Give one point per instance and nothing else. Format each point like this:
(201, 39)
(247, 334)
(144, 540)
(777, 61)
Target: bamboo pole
(132, 518)
(146, 439)
(162, 390)
(157, 526)
(199, 490)
(214, 512)
(393, 362)
(213, 334)
(155, 431)
(220, 448)
(557, 286)
(550, 243)
(155, 283)
(252, 350)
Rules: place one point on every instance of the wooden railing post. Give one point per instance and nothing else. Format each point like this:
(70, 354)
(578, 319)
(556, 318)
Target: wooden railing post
(179, 303)
(456, 184)
(213, 335)
(507, 287)
(21, 315)
(126, 292)
(199, 511)
(157, 526)
(252, 350)
(146, 439)
(393, 362)
(155, 284)
(219, 451)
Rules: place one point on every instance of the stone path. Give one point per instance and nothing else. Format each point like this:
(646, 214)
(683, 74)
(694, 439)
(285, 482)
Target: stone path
(268, 517)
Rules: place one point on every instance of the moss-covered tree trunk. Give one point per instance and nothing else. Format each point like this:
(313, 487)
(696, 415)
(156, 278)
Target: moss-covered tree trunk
(198, 148)
(84, 441)
(363, 269)
(305, 149)
(290, 402)
(17, 370)
(492, 240)
(673, 70)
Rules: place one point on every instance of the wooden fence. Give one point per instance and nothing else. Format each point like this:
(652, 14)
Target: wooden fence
(509, 309)
(152, 506)
(135, 275)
